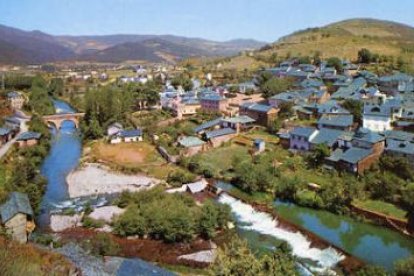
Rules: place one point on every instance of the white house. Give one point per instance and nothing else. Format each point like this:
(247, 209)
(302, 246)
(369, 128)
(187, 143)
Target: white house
(378, 116)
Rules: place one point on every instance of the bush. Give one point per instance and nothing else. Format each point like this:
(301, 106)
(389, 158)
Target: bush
(102, 245)
(89, 222)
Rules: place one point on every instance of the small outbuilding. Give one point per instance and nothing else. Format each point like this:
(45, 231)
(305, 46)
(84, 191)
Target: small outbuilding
(17, 216)
(29, 138)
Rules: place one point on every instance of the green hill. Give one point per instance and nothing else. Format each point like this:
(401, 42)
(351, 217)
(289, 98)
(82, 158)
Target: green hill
(344, 39)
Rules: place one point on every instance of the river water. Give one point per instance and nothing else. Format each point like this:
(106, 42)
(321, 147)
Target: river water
(375, 245)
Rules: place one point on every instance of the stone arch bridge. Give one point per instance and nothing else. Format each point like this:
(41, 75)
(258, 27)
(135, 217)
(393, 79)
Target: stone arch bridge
(58, 119)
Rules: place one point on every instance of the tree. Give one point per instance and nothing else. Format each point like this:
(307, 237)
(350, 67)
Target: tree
(263, 77)
(365, 56)
(183, 81)
(275, 86)
(318, 155)
(335, 62)
(39, 101)
(56, 87)
(355, 107)
(286, 110)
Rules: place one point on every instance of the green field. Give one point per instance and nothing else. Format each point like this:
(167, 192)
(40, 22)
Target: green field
(219, 160)
(382, 207)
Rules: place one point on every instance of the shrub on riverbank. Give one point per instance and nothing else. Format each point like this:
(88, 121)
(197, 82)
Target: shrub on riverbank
(237, 259)
(169, 217)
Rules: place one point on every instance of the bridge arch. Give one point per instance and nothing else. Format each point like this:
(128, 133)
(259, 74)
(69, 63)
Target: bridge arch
(58, 119)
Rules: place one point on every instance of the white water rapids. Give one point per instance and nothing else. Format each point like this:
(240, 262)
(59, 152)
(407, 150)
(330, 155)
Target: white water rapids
(264, 224)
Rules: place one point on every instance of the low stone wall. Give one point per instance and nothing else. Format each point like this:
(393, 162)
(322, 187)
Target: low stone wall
(164, 153)
(388, 221)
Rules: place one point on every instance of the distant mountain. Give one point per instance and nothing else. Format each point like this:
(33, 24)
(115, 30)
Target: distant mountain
(23, 47)
(17, 46)
(154, 49)
(345, 38)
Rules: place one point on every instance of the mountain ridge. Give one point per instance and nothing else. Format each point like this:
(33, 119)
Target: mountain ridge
(24, 47)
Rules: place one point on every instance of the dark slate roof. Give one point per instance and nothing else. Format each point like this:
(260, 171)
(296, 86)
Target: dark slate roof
(351, 91)
(29, 135)
(312, 83)
(4, 131)
(331, 107)
(336, 120)
(131, 133)
(286, 96)
(17, 203)
(13, 120)
(367, 135)
(138, 267)
(208, 124)
(396, 78)
(354, 155)
(400, 146)
(398, 135)
(257, 107)
(326, 136)
(219, 132)
(303, 131)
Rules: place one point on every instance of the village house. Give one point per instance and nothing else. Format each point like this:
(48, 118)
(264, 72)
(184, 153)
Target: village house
(17, 217)
(284, 97)
(326, 136)
(313, 84)
(399, 144)
(127, 136)
(350, 69)
(191, 145)
(219, 136)
(365, 148)
(213, 103)
(114, 129)
(186, 108)
(339, 122)
(400, 149)
(262, 114)
(397, 83)
(27, 139)
(6, 134)
(238, 123)
(16, 100)
(208, 125)
(300, 138)
(351, 90)
(380, 113)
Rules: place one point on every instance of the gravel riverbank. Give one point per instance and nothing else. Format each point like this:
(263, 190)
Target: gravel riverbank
(95, 179)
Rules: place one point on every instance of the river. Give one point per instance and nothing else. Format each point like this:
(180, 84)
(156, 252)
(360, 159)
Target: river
(373, 244)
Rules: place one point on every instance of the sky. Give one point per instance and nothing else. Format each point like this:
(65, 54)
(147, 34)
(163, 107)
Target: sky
(265, 20)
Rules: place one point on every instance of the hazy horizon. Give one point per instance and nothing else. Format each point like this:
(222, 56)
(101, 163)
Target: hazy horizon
(220, 20)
